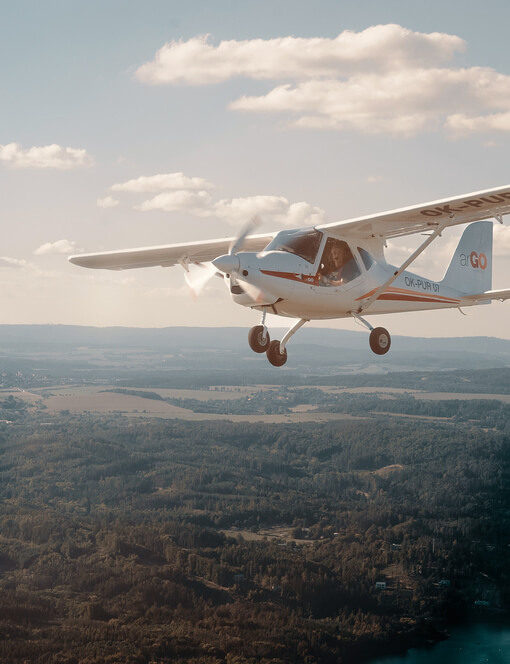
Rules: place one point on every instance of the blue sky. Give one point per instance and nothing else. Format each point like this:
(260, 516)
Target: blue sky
(402, 118)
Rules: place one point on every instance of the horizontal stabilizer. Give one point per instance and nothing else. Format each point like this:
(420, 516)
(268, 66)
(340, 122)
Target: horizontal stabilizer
(488, 295)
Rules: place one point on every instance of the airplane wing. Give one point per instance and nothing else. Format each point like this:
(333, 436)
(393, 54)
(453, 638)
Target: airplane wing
(167, 255)
(418, 218)
(488, 295)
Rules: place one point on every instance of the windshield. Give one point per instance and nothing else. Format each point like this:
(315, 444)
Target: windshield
(303, 243)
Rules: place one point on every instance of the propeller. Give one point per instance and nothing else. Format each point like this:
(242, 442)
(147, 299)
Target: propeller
(250, 225)
(198, 275)
(229, 263)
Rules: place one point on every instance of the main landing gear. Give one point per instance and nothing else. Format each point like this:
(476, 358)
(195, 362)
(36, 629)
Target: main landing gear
(276, 351)
(379, 339)
(276, 355)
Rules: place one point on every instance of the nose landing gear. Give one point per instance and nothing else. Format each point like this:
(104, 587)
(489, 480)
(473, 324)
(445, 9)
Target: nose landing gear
(259, 341)
(258, 338)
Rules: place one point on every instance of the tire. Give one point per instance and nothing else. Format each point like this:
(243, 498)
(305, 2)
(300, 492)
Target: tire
(276, 358)
(256, 339)
(380, 340)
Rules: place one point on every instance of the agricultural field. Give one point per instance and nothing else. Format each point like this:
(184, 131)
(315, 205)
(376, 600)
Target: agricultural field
(257, 403)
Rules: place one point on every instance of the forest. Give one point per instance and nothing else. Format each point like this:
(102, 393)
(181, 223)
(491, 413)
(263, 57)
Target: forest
(138, 540)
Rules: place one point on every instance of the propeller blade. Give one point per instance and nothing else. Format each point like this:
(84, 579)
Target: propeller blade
(198, 276)
(250, 225)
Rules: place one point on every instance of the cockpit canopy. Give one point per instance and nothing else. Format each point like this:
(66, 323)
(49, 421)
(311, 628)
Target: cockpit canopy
(304, 243)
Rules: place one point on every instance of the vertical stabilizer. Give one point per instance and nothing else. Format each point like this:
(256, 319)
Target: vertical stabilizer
(470, 270)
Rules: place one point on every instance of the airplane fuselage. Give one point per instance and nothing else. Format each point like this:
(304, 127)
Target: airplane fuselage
(288, 285)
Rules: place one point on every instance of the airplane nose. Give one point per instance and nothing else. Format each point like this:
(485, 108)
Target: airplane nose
(227, 263)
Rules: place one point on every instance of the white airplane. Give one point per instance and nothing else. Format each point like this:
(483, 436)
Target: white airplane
(338, 270)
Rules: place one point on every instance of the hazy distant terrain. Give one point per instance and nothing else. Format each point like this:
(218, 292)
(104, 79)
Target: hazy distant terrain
(57, 348)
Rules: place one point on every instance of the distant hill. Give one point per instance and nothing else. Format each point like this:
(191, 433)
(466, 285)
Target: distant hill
(313, 350)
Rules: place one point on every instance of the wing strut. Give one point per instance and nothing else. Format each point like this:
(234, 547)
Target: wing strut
(440, 228)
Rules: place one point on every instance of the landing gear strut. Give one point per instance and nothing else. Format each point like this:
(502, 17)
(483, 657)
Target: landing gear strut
(379, 339)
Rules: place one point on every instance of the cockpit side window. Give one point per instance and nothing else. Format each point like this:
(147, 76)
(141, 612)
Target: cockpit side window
(338, 265)
(366, 258)
(302, 243)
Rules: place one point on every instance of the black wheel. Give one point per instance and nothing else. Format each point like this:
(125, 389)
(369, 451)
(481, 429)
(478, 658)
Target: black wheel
(274, 355)
(380, 340)
(258, 342)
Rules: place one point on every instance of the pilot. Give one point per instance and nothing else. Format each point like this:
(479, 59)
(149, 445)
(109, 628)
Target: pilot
(335, 271)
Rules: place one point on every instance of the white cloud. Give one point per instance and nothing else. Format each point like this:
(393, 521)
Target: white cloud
(461, 124)
(272, 208)
(107, 202)
(194, 202)
(6, 261)
(385, 79)
(236, 210)
(162, 182)
(404, 102)
(47, 156)
(180, 193)
(502, 239)
(378, 48)
(58, 247)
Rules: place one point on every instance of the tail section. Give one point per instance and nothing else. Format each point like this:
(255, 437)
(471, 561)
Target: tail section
(470, 270)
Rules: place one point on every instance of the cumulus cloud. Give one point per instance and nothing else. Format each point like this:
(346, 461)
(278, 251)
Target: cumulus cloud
(276, 208)
(404, 102)
(194, 202)
(107, 202)
(58, 247)
(162, 182)
(502, 239)
(385, 79)
(180, 193)
(47, 156)
(6, 261)
(236, 211)
(378, 48)
(461, 124)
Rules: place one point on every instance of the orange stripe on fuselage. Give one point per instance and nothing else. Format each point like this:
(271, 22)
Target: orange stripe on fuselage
(294, 276)
(415, 298)
(410, 296)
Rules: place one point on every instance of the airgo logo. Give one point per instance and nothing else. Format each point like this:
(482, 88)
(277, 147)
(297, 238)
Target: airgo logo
(476, 260)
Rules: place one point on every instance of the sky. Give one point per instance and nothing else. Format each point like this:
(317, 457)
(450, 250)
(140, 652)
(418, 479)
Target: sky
(126, 124)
